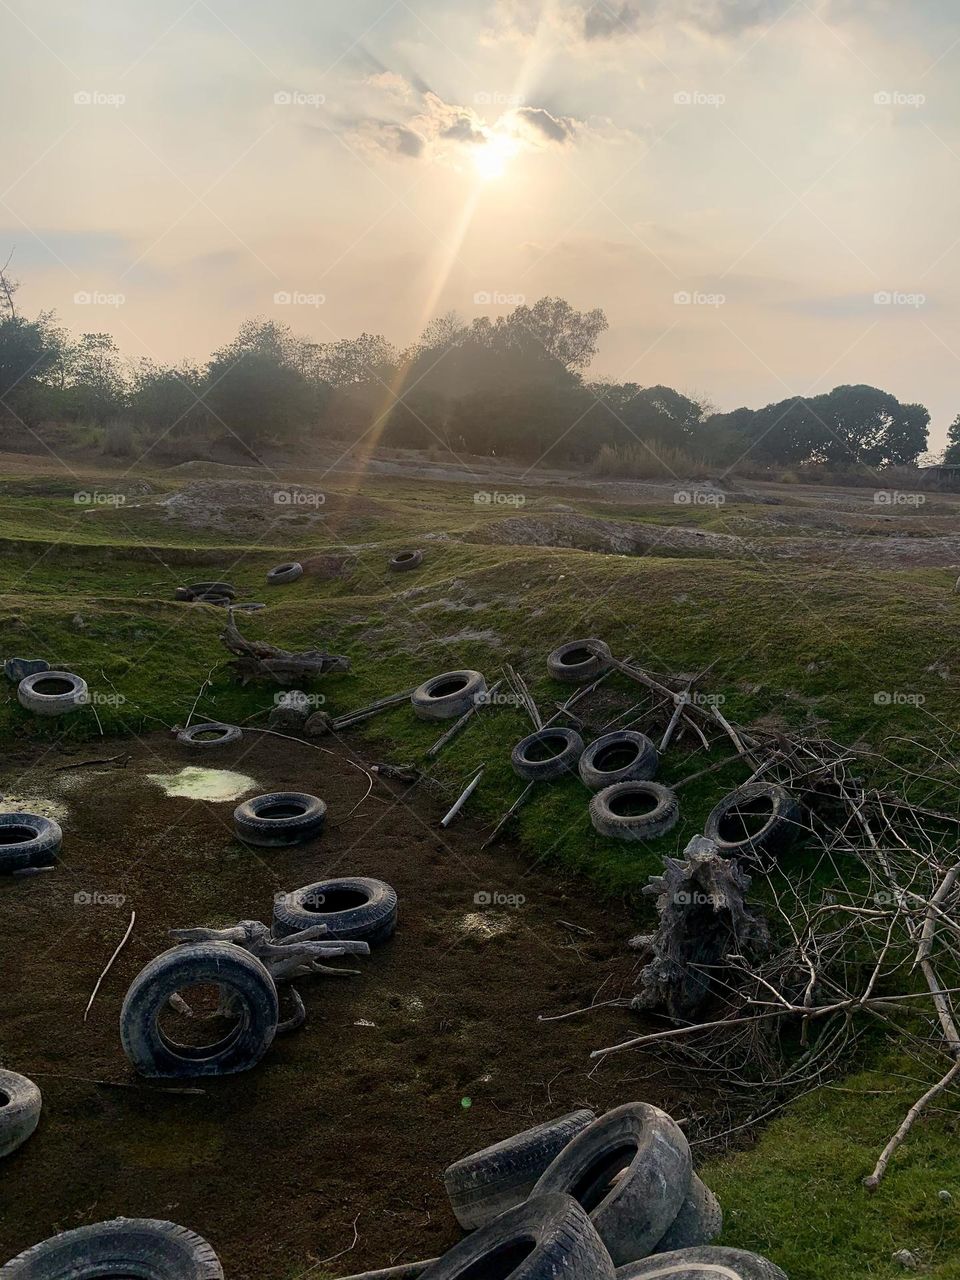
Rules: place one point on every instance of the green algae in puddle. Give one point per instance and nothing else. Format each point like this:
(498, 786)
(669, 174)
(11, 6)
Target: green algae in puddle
(196, 783)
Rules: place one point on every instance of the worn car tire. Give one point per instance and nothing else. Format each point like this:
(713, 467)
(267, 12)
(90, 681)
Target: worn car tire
(144, 1248)
(20, 1105)
(279, 818)
(52, 693)
(630, 1170)
(211, 733)
(27, 840)
(776, 821)
(288, 572)
(710, 1263)
(610, 811)
(197, 589)
(449, 695)
(579, 661)
(547, 754)
(548, 1237)
(699, 1221)
(624, 756)
(403, 561)
(154, 1054)
(488, 1182)
(352, 907)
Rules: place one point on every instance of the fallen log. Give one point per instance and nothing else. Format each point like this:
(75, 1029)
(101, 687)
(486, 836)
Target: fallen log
(255, 659)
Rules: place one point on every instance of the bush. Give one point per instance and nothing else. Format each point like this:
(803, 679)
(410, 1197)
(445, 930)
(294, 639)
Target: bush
(119, 439)
(658, 462)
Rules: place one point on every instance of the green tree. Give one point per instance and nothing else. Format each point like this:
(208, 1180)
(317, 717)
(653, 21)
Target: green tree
(952, 455)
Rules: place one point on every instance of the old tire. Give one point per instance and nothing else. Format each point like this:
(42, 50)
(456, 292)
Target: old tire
(547, 754)
(630, 1170)
(211, 733)
(279, 818)
(288, 572)
(579, 661)
(352, 907)
(710, 1263)
(699, 1221)
(52, 693)
(403, 561)
(27, 840)
(20, 1104)
(624, 756)
(756, 819)
(548, 1237)
(154, 1054)
(144, 1248)
(488, 1182)
(449, 695)
(196, 590)
(634, 811)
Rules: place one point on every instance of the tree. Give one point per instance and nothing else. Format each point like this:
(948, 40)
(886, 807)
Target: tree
(96, 379)
(570, 336)
(952, 455)
(169, 399)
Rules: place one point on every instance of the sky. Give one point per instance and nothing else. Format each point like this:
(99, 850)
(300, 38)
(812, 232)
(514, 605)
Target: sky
(762, 195)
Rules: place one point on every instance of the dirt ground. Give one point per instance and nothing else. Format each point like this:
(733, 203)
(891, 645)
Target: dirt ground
(340, 1136)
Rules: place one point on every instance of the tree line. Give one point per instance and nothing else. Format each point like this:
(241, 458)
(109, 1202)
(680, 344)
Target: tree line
(512, 385)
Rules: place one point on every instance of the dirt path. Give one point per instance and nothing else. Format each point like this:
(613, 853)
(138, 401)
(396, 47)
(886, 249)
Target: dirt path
(352, 1119)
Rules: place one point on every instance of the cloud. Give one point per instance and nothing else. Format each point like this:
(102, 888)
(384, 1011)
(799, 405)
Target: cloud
(603, 20)
(544, 125)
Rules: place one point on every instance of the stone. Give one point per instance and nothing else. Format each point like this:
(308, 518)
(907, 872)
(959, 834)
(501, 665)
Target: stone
(17, 669)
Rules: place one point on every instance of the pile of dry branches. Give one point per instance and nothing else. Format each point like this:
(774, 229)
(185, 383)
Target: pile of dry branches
(864, 919)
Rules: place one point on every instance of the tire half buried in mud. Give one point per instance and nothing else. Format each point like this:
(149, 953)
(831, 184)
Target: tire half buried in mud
(135, 1248)
(254, 1015)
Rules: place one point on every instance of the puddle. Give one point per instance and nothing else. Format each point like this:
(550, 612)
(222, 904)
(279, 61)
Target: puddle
(33, 804)
(196, 783)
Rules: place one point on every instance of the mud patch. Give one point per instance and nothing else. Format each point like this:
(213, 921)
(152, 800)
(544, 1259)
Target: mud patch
(197, 783)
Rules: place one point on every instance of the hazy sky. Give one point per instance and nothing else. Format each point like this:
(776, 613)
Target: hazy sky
(778, 164)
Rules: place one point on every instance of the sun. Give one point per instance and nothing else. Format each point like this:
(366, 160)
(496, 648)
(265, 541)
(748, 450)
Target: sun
(492, 157)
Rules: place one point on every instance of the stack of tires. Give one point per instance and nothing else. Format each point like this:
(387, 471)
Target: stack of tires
(614, 1196)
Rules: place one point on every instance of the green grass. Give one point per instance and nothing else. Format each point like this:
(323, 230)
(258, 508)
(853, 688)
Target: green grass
(790, 645)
